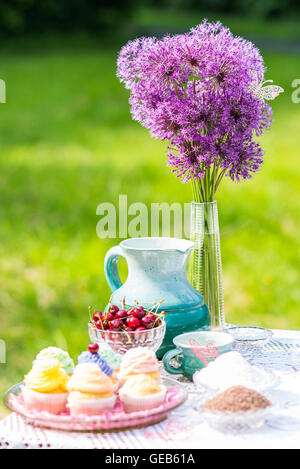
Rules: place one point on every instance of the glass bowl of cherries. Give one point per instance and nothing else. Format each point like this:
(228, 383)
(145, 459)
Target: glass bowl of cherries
(124, 328)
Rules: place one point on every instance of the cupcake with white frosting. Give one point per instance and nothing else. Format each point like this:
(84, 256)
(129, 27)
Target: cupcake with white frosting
(141, 392)
(139, 360)
(91, 391)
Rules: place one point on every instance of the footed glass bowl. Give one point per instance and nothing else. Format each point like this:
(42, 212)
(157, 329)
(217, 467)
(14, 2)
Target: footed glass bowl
(121, 341)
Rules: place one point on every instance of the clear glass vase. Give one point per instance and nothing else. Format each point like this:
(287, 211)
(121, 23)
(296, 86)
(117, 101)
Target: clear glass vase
(206, 266)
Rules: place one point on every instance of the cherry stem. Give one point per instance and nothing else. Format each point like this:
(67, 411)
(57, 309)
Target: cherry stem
(90, 314)
(158, 305)
(128, 336)
(101, 322)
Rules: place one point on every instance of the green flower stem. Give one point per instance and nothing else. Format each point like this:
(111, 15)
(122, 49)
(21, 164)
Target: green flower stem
(206, 267)
(204, 188)
(206, 257)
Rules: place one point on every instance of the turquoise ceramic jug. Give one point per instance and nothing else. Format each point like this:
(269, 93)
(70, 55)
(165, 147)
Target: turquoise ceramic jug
(157, 271)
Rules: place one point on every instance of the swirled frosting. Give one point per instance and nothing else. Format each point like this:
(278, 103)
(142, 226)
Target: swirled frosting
(47, 376)
(138, 361)
(88, 357)
(62, 356)
(88, 378)
(112, 358)
(140, 385)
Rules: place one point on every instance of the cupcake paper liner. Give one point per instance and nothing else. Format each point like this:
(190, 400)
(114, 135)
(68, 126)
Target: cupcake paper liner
(54, 403)
(91, 406)
(137, 403)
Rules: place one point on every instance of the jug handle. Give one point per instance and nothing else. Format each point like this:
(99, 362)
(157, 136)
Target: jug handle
(111, 267)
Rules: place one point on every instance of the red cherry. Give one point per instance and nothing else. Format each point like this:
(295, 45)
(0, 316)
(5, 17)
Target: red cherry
(97, 315)
(129, 329)
(98, 325)
(141, 328)
(121, 314)
(148, 320)
(138, 313)
(116, 325)
(157, 323)
(113, 309)
(133, 322)
(93, 348)
(109, 317)
(152, 315)
(105, 325)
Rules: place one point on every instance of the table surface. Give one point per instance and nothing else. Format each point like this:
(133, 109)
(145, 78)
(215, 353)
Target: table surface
(185, 428)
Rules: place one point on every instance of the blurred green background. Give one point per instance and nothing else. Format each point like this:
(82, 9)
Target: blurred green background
(68, 143)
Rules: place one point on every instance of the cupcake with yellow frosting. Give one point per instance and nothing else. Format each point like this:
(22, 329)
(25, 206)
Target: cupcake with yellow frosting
(45, 386)
(91, 391)
(141, 392)
(139, 360)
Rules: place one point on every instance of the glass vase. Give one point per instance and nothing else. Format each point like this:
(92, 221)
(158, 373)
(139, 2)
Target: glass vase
(206, 266)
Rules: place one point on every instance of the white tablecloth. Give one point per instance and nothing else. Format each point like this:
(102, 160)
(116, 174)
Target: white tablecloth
(185, 428)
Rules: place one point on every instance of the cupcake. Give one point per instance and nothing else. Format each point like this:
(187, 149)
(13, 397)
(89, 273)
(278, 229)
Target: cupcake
(112, 358)
(140, 360)
(63, 357)
(45, 386)
(92, 356)
(141, 392)
(91, 391)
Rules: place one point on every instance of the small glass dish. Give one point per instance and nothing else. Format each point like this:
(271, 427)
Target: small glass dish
(121, 341)
(248, 338)
(233, 422)
(250, 335)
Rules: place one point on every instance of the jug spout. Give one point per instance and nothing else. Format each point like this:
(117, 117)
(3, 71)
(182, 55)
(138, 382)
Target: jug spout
(184, 246)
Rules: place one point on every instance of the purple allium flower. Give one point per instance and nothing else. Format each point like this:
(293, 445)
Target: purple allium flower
(197, 91)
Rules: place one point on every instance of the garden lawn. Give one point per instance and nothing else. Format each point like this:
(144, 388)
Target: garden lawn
(68, 143)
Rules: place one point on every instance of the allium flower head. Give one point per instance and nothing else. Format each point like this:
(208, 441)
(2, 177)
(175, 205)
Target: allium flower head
(196, 91)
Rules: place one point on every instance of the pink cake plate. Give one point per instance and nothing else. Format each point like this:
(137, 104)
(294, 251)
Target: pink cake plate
(117, 419)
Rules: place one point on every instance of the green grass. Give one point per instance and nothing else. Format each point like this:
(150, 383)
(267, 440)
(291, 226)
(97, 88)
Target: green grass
(67, 143)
